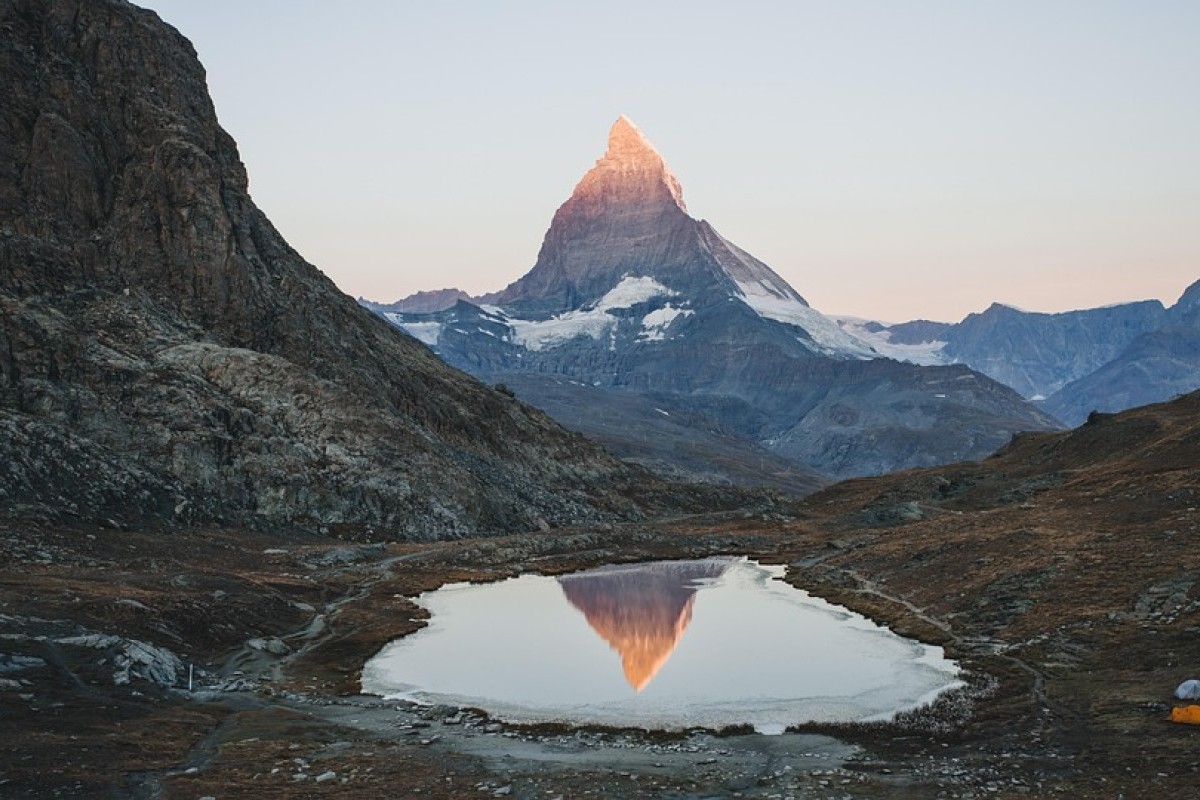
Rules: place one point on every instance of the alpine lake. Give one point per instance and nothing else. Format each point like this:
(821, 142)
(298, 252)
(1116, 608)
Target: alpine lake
(668, 645)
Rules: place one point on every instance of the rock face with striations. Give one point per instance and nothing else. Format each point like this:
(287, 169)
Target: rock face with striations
(632, 296)
(165, 355)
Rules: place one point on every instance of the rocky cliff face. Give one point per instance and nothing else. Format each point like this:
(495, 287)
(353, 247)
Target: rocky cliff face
(632, 295)
(165, 355)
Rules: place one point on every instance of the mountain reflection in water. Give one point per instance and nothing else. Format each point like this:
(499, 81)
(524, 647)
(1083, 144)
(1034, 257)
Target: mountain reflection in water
(757, 651)
(641, 610)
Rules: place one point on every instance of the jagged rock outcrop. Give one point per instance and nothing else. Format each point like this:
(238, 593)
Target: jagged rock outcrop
(166, 356)
(632, 295)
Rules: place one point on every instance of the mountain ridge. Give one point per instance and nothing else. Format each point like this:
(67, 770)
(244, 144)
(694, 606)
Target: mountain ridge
(1108, 358)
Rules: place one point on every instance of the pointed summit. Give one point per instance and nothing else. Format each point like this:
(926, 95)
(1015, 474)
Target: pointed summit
(626, 140)
(623, 217)
(633, 164)
(626, 219)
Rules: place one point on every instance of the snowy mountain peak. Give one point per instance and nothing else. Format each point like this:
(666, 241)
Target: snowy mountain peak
(626, 223)
(625, 139)
(631, 157)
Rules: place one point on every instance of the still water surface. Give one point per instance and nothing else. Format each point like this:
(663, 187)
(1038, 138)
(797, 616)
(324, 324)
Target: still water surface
(664, 645)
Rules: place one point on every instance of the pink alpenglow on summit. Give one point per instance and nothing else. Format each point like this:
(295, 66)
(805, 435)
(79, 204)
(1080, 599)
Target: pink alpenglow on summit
(631, 162)
(627, 218)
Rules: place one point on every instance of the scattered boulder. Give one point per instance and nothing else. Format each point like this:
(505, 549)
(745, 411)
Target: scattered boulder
(133, 659)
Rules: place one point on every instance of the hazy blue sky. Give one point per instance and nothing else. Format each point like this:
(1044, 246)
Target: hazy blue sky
(890, 159)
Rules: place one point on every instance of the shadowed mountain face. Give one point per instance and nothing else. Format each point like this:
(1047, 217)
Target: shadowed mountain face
(1160, 364)
(641, 610)
(676, 444)
(632, 295)
(166, 356)
(1038, 354)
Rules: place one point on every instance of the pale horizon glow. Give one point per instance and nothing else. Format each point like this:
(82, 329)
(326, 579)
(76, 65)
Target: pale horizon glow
(891, 161)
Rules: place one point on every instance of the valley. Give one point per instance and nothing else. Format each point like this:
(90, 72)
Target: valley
(225, 483)
(1059, 573)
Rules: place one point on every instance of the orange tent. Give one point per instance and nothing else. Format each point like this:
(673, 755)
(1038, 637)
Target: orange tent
(1188, 715)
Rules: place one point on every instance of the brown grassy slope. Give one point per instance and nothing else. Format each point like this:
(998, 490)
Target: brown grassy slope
(1070, 554)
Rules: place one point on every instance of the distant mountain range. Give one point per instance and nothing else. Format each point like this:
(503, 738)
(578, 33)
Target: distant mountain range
(631, 297)
(1100, 359)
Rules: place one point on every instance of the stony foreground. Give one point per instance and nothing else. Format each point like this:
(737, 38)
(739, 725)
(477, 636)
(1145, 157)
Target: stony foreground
(1073, 703)
(1062, 574)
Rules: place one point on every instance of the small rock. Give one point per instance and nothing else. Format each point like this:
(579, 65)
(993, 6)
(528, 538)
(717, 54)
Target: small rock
(326, 776)
(276, 647)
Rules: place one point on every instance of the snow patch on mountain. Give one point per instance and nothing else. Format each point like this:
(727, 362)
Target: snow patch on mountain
(925, 354)
(770, 296)
(495, 312)
(595, 321)
(631, 291)
(540, 334)
(427, 333)
(655, 324)
(770, 303)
